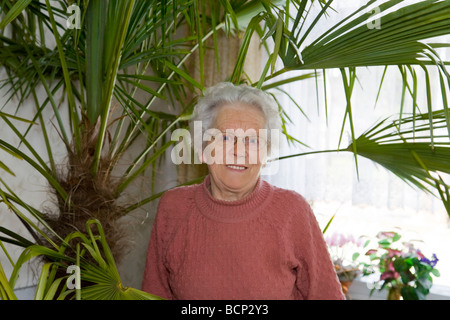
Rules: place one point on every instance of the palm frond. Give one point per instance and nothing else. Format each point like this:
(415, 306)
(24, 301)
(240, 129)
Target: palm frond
(397, 41)
(6, 292)
(13, 12)
(408, 148)
(100, 274)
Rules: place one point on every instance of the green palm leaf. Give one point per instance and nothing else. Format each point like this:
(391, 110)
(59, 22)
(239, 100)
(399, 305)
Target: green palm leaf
(414, 131)
(13, 12)
(97, 270)
(405, 147)
(395, 42)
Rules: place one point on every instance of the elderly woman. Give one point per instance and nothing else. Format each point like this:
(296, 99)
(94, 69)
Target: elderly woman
(235, 236)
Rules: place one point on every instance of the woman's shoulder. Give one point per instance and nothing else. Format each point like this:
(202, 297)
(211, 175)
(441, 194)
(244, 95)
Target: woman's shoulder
(290, 206)
(176, 200)
(179, 194)
(293, 212)
(173, 208)
(288, 197)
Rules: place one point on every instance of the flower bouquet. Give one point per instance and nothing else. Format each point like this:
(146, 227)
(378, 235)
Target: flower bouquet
(403, 269)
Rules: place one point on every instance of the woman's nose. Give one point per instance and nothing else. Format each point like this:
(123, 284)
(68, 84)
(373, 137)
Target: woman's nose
(239, 148)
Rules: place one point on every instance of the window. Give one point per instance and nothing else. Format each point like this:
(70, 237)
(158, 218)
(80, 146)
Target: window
(374, 201)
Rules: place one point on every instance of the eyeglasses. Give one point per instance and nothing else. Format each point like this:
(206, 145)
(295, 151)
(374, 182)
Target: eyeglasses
(230, 139)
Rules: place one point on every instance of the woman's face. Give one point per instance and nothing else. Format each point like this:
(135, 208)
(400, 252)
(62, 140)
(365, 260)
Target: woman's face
(236, 175)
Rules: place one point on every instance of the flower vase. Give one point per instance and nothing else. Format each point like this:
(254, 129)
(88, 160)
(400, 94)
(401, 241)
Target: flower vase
(345, 286)
(394, 293)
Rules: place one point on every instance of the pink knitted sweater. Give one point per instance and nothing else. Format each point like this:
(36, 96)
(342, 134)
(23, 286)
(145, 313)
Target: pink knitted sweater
(267, 245)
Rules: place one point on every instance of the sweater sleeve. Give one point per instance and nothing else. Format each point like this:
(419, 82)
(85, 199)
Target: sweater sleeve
(156, 275)
(316, 275)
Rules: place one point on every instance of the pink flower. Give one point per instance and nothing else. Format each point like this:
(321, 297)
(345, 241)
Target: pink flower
(386, 234)
(359, 242)
(393, 252)
(339, 240)
(371, 251)
(390, 273)
(332, 240)
(342, 240)
(421, 256)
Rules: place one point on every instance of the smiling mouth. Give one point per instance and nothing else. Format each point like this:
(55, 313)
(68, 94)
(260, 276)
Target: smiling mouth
(234, 167)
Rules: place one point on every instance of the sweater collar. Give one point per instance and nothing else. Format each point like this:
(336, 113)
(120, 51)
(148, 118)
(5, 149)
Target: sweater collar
(233, 211)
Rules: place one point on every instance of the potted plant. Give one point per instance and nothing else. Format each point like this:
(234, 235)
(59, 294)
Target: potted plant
(343, 252)
(404, 270)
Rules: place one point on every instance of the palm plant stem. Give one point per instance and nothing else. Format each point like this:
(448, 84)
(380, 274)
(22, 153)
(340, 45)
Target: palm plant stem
(307, 154)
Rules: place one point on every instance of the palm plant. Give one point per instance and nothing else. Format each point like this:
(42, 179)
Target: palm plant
(93, 264)
(104, 84)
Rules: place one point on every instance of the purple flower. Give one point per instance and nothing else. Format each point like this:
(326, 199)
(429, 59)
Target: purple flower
(425, 260)
(431, 263)
(435, 260)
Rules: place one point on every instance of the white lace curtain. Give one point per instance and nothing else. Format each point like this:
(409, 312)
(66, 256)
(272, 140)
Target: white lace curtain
(332, 177)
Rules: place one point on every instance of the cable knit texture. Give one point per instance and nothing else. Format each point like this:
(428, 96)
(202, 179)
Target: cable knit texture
(267, 245)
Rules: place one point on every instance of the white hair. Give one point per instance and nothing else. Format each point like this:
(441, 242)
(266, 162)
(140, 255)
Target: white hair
(223, 93)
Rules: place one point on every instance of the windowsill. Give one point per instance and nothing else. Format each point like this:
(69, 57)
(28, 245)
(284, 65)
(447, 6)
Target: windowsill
(359, 291)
